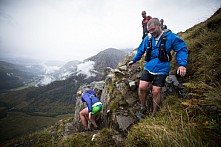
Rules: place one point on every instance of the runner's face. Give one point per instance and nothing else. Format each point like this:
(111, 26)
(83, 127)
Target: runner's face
(154, 30)
(143, 14)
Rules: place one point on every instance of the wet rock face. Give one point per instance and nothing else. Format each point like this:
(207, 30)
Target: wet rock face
(126, 84)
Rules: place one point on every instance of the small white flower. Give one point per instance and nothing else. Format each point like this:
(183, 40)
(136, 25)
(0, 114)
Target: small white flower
(93, 137)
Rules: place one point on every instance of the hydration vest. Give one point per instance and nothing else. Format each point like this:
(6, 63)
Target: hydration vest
(163, 55)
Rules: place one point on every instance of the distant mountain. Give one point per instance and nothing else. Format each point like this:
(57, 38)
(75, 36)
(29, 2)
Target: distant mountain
(107, 58)
(93, 66)
(70, 65)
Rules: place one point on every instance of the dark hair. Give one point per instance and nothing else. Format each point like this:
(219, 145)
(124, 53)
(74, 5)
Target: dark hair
(155, 21)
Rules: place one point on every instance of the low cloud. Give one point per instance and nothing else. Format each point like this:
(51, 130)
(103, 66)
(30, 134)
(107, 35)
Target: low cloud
(85, 68)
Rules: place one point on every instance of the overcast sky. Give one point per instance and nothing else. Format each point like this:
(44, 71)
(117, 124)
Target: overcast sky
(77, 29)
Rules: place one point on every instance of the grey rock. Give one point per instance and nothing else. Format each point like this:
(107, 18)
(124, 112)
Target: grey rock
(124, 121)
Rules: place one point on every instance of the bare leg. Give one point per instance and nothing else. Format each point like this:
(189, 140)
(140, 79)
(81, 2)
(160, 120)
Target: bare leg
(93, 121)
(83, 115)
(142, 92)
(156, 98)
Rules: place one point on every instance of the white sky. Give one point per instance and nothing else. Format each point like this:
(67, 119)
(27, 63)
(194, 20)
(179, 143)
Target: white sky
(77, 29)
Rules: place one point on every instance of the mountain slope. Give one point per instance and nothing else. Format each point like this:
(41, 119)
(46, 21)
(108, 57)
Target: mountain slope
(203, 42)
(13, 76)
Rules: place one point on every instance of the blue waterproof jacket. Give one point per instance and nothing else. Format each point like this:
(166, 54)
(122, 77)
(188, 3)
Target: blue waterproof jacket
(90, 99)
(173, 42)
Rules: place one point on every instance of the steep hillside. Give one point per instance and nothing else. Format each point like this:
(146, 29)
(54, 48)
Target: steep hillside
(13, 76)
(204, 44)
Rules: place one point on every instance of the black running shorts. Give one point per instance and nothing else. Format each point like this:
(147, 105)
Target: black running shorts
(157, 80)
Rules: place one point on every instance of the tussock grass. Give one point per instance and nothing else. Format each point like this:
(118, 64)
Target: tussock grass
(103, 138)
(203, 42)
(180, 123)
(78, 140)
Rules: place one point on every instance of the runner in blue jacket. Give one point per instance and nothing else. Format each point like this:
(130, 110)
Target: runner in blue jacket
(94, 106)
(156, 69)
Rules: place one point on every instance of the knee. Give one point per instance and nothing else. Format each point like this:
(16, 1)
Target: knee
(81, 113)
(155, 91)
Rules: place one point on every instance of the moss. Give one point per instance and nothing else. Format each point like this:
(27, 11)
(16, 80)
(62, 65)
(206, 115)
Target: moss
(104, 138)
(116, 98)
(137, 138)
(78, 140)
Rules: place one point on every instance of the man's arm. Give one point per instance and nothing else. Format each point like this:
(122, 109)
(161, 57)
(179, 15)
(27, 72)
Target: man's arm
(141, 50)
(181, 55)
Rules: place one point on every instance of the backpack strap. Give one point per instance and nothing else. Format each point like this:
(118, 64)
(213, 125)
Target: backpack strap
(150, 43)
(163, 43)
(148, 52)
(163, 54)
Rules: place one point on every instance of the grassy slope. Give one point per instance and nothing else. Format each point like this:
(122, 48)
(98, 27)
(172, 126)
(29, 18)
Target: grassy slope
(17, 124)
(204, 44)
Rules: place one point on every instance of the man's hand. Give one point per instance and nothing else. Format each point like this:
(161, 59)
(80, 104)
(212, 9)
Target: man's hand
(130, 63)
(181, 71)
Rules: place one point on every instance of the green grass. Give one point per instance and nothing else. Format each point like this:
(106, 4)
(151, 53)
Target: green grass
(28, 85)
(180, 123)
(203, 42)
(17, 124)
